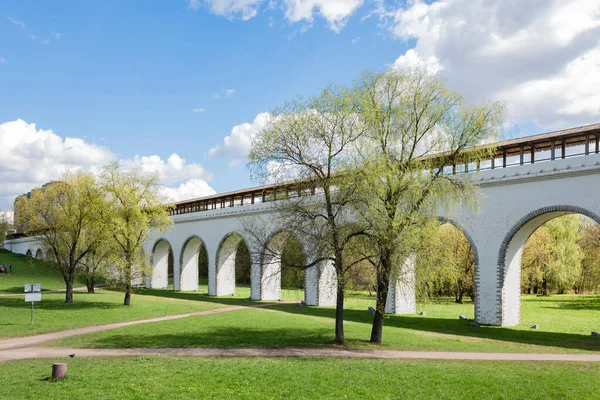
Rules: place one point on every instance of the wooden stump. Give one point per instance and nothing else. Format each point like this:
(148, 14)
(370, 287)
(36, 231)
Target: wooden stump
(59, 370)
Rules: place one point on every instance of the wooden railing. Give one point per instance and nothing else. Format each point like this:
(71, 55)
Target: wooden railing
(528, 150)
(562, 144)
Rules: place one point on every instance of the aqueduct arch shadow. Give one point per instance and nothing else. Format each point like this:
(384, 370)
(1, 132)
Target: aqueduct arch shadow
(29, 253)
(274, 257)
(191, 252)
(509, 257)
(227, 256)
(39, 255)
(161, 252)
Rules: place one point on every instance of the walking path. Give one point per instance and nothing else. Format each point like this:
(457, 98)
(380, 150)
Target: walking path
(44, 352)
(24, 347)
(29, 341)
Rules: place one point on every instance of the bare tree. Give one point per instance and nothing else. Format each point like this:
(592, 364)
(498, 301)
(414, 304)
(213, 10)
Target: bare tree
(307, 148)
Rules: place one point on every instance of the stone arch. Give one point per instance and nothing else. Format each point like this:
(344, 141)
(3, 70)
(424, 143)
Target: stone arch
(509, 257)
(188, 260)
(225, 263)
(467, 235)
(28, 253)
(271, 264)
(161, 251)
(39, 254)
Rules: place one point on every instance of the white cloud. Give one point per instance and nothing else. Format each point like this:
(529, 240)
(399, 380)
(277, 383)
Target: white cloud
(3, 61)
(236, 146)
(57, 35)
(232, 9)
(199, 110)
(7, 216)
(224, 93)
(542, 60)
(355, 40)
(30, 157)
(21, 24)
(188, 190)
(335, 12)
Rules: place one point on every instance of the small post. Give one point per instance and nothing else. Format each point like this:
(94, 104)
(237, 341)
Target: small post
(32, 313)
(59, 370)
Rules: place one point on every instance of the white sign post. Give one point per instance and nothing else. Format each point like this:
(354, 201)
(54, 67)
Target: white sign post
(33, 293)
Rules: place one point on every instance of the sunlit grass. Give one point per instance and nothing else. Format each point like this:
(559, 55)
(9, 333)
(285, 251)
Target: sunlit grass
(298, 378)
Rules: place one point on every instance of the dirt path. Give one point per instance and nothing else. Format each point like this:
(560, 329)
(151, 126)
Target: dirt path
(58, 353)
(30, 341)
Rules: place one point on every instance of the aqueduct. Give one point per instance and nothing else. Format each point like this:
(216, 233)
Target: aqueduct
(528, 182)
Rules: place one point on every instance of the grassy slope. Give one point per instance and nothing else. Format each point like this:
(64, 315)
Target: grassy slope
(561, 329)
(305, 378)
(27, 270)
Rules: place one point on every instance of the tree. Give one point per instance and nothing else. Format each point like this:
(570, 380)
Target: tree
(552, 257)
(416, 129)
(5, 225)
(311, 141)
(589, 242)
(446, 264)
(566, 253)
(67, 218)
(136, 207)
(536, 259)
(99, 262)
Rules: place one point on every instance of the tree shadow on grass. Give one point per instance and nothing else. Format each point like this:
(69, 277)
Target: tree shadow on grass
(57, 304)
(458, 327)
(231, 301)
(222, 337)
(579, 303)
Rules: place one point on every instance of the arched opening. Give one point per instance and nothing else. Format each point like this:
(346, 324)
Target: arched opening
(233, 266)
(39, 254)
(28, 253)
(283, 272)
(541, 254)
(162, 256)
(194, 264)
(445, 268)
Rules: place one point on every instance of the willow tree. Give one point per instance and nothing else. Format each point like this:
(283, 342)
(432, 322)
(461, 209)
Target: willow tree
(66, 216)
(306, 149)
(417, 129)
(446, 264)
(136, 207)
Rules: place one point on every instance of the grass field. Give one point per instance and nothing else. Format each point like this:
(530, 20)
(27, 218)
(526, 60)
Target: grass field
(565, 321)
(562, 329)
(27, 270)
(304, 378)
(52, 314)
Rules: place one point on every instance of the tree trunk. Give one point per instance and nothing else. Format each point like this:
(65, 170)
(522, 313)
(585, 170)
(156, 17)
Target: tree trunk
(90, 282)
(339, 314)
(69, 291)
(458, 298)
(544, 287)
(383, 286)
(127, 300)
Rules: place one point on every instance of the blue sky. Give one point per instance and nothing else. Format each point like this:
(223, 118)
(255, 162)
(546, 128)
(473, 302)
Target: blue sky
(127, 76)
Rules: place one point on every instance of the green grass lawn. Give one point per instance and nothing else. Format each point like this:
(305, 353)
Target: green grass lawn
(155, 377)
(52, 314)
(28, 270)
(563, 329)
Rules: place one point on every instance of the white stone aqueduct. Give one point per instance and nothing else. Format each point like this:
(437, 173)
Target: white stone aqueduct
(530, 181)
